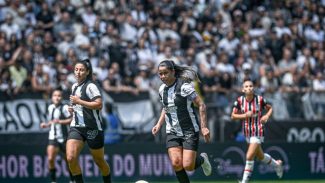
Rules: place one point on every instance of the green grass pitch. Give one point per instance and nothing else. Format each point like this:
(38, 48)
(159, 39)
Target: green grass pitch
(257, 181)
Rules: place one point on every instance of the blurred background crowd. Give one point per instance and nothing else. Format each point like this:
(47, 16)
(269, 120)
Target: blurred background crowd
(279, 44)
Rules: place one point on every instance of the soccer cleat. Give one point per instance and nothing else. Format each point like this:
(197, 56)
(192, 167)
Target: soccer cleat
(279, 168)
(206, 166)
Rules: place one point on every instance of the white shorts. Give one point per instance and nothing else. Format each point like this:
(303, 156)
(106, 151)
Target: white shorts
(256, 140)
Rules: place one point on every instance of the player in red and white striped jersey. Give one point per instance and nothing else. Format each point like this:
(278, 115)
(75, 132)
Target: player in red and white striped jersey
(254, 111)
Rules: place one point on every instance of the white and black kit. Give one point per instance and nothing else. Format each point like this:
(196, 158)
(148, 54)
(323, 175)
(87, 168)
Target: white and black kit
(58, 133)
(86, 123)
(182, 125)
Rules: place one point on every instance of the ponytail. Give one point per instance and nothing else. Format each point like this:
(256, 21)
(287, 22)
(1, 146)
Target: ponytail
(186, 73)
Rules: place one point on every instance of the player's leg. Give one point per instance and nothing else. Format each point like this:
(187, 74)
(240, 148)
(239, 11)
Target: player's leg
(191, 160)
(74, 148)
(98, 155)
(267, 159)
(249, 166)
(63, 150)
(96, 145)
(75, 143)
(176, 159)
(52, 151)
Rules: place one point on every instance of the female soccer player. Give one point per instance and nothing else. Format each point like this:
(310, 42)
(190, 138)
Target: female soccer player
(59, 118)
(177, 95)
(86, 125)
(250, 109)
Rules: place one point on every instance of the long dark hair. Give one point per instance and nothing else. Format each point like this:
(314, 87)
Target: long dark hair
(184, 72)
(87, 64)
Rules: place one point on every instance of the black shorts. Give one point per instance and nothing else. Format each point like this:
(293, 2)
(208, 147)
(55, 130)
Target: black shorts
(60, 145)
(190, 141)
(93, 137)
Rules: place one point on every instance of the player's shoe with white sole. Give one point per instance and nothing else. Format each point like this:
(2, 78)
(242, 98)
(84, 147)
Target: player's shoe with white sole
(206, 166)
(279, 168)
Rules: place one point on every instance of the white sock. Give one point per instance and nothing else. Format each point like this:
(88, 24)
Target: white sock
(248, 170)
(269, 160)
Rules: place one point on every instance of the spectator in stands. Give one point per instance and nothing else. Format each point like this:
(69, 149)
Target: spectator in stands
(62, 80)
(112, 83)
(66, 44)
(10, 56)
(6, 84)
(27, 61)
(9, 27)
(176, 92)
(133, 33)
(58, 119)
(318, 86)
(286, 64)
(86, 125)
(45, 18)
(112, 125)
(20, 19)
(41, 80)
(269, 82)
(64, 27)
(18, 75)
(142, 81)
(89, 17)
(49, 49)
(254, 111)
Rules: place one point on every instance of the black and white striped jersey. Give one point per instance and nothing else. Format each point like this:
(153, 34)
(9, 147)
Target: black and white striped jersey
(58, 131)
(177, 101)
(82, 116)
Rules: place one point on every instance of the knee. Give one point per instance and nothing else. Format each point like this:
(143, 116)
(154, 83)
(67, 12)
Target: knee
(51, 159)
(177, 164)
(71, 158)
(188, 166)
(260, 157)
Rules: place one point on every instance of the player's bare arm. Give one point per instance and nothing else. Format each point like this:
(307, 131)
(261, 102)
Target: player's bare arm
(203, 117)
(160, 122)
(96, 104)
(268, 114)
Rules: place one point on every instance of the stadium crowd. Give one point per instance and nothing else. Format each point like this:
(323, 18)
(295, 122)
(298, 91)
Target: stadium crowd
(280, 44)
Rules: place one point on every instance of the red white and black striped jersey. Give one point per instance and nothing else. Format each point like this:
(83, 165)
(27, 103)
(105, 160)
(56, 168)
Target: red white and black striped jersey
(252, 126)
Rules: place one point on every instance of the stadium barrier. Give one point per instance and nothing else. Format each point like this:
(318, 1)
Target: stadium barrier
(293, 131)
(25, 113)
(149, 161)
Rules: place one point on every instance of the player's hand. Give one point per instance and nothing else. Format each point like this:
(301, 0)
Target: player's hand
(264, 119)
(70, 109)
(206, 134)
(55, 121)
(155, 129)
(249, 114)
(74, 99)
(43, 125)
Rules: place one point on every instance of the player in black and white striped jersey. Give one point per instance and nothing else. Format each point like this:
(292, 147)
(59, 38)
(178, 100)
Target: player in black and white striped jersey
(58, 119)
(178, 97)
(86, 125)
